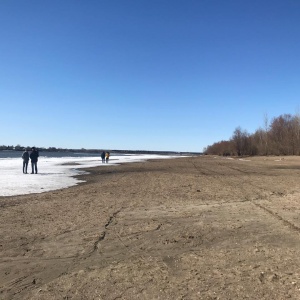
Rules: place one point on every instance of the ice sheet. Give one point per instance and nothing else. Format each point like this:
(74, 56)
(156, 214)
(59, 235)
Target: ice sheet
(53, 173)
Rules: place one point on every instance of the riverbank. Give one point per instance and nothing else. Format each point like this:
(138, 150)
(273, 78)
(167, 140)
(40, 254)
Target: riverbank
(184, 228)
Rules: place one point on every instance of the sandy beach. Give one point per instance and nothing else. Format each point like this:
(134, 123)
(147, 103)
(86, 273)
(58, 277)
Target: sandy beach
(185, 228)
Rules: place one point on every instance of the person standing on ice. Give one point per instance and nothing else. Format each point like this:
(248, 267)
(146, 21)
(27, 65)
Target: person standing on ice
(34, 159)
(103, 156)
(107, 154)
(25, 157)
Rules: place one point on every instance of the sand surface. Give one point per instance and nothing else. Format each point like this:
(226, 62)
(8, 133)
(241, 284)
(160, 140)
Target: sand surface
(185, 228)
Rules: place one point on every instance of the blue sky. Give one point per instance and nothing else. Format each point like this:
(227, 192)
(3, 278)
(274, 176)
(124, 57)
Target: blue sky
(144, 74)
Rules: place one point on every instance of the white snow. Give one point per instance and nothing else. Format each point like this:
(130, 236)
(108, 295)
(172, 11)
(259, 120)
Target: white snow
(53, 173)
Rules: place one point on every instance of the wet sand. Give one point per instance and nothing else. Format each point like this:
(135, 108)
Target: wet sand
(185, 228)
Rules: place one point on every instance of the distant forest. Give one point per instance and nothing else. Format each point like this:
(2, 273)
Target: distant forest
(50, 149)
(279, 137)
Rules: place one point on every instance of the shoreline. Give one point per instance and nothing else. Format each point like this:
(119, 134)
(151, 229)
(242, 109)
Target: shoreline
(170, 228)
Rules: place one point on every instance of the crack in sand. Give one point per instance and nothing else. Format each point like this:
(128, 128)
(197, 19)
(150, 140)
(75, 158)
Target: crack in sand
(103, 234)
(101, 238)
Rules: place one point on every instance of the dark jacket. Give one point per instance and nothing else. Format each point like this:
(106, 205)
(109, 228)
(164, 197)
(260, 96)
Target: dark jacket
(25, 156)
(34, 156)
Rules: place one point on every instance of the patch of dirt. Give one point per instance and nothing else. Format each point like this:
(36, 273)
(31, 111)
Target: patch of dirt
(187, 228)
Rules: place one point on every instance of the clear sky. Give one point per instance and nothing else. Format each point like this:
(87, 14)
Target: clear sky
(144, 74)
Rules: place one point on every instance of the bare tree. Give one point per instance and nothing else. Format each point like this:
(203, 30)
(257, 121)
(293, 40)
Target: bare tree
(241, 141)
(266, 134)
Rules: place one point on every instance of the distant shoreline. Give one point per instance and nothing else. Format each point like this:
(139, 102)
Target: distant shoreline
(96, 151)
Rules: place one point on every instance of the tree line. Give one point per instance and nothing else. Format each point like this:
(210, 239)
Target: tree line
(49, 149)
(279, 137)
